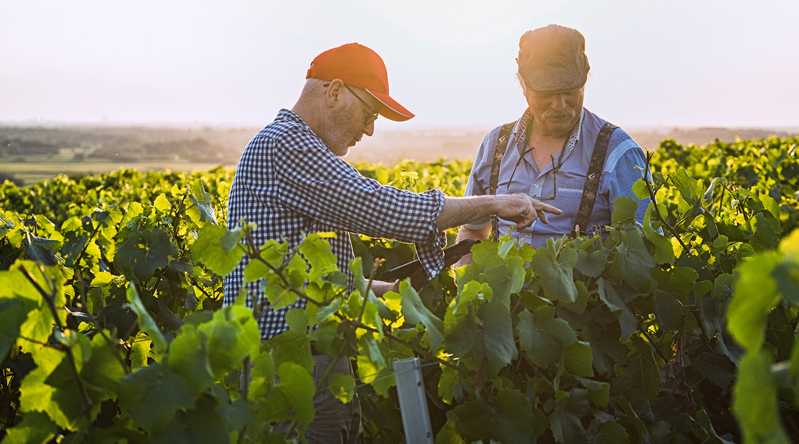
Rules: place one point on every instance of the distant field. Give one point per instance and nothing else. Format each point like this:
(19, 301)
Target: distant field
(38, 169)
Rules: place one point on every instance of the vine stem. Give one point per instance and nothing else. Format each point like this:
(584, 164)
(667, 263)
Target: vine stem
(652, 197)
(86, 245)
(424, 353)
(50, 299)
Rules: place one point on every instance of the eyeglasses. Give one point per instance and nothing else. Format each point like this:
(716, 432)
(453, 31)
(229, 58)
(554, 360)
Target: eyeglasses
(372, 113)
(555, 169)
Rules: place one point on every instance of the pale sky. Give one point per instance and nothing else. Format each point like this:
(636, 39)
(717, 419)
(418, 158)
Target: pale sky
(675, 63)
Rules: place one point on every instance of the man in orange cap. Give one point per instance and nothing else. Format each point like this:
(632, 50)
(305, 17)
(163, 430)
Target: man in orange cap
(557, 151)
(291, 181)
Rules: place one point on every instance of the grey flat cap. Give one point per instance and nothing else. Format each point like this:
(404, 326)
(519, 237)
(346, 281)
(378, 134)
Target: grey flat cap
(552, 59)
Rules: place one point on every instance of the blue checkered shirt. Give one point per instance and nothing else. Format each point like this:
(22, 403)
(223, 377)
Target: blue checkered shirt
(289, 183)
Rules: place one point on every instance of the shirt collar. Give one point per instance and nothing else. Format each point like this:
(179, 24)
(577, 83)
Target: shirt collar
(291, 116)
(523, 125)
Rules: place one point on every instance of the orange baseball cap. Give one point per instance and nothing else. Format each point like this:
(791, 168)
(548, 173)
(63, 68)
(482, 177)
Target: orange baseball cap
(356, 65)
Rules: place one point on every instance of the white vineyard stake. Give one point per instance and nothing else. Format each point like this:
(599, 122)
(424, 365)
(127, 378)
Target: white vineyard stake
(413, 403)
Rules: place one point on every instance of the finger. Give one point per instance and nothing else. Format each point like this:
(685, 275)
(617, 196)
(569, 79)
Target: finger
(543, 217)
(548, 208)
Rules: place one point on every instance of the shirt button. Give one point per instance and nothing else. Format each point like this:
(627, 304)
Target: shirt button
(535, 185)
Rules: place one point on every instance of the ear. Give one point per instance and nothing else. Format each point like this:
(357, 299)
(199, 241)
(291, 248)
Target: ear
(334, 93)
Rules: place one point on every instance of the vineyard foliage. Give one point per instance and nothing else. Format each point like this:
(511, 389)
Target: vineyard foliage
(682, 329)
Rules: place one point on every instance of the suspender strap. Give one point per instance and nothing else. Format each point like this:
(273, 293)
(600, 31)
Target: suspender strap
(502, 145)
(592, 179)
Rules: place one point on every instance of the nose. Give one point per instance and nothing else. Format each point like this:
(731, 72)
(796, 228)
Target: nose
(558, 102)
(369, 129)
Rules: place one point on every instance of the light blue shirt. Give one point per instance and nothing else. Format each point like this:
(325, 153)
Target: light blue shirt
(624, 163)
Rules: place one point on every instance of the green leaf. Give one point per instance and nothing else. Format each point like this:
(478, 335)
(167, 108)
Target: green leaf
(188, 357)
(209, 249)
(449, 433)
(101, 279)
(507, 421)
(294, 392)
(447, 383)
(35, 428)
(598, 392)
(153, 395)
(318, 253)
(764, 236)
(13, 313)
(146, 322)
(162, 204)
(578, 359)
(640, 189)
(591, 264)
(624, 209)
(688, 187)
(611, 432)
(608, 295)
(543, 337)
(555, 271)
(565, 418)
(202, 208)
(342, 387)
(415, 312)
(664, 250)
(643, 370)
(755, 400)
(633, 261)
(143, 252)
(42, 250)
(754, 296)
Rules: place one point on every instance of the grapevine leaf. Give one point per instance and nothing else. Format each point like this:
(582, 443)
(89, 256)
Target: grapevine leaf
(643, 370)
(543, 336)
(35, 428)
(153, 395)
(202, 209)
(342, 387)
(447, 383)
(209, 249)
(505, 279)
(755, 400)
(146, 321)
(415, 312)
(578, 358)
(633, 261)
(565, 419)
(188, 357)
(555, 271)
(764, 236)
(754, 296)
(294, 391)
(13, 313)
(201, 425)
(233, 335)
(664, 250)
(143, 252)
(509, 420)
(611, 432)
(500, 348)
(162, 204)
(449, 433)
(608, 295)
(591, 264)
(42, 250)
(624, 209)
(640, 189)
(598, 392)
(688, 187)
(318, 253)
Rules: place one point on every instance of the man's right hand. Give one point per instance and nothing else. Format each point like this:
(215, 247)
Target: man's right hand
(522, 209)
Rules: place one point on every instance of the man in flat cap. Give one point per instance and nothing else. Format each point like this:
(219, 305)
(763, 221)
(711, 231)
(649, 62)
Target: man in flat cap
(558, 151)
(291, 181)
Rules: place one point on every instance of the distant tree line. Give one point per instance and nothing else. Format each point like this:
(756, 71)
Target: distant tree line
(17, 147)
